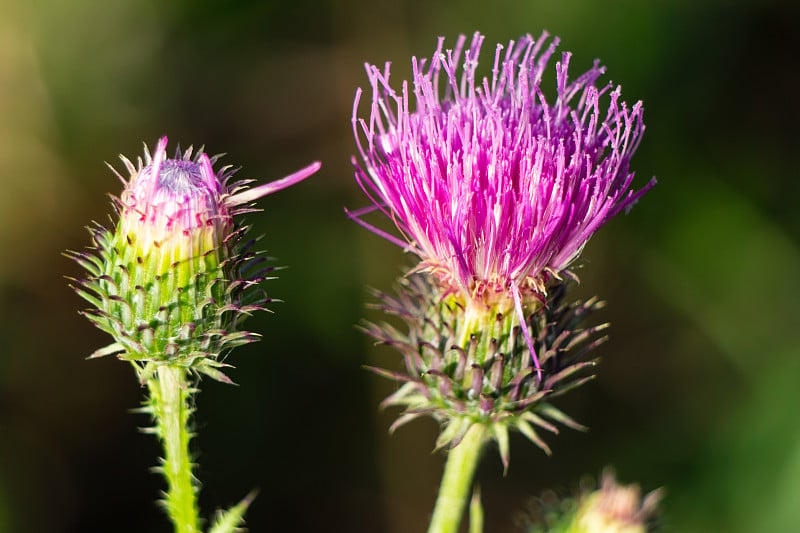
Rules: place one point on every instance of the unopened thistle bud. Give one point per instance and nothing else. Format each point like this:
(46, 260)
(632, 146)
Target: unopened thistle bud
(174, 279)
(612, 508)
(615, 508)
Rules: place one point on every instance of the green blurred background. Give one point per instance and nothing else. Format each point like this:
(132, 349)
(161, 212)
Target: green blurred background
(699, 387)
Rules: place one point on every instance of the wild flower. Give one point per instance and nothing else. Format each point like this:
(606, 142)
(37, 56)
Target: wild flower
(496, 187)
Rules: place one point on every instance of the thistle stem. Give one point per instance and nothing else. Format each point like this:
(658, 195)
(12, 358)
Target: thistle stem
(456, 481)
(170, 395)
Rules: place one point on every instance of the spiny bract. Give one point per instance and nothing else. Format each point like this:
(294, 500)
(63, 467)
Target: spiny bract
(464, 371)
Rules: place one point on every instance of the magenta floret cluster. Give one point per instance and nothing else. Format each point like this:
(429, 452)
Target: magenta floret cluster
(490, 183)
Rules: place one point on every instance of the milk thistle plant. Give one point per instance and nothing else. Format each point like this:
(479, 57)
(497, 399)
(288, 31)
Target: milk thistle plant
(496, 188)
(171, 283)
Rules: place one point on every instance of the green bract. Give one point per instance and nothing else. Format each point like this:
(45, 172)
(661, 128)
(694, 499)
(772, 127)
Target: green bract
(468, 363)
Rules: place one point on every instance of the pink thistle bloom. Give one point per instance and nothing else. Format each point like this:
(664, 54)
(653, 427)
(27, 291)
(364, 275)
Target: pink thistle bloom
(494, 187)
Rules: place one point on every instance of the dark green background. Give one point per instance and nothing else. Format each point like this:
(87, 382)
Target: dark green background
(698, 390)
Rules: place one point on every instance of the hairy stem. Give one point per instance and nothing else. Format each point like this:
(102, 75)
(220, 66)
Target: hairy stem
(170, 395)
(456, 481)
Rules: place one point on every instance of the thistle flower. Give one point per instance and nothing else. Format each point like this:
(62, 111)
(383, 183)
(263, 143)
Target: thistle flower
(177, 275)
(496, 189)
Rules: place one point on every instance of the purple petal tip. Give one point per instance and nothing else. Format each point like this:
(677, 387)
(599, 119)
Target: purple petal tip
(255, 193)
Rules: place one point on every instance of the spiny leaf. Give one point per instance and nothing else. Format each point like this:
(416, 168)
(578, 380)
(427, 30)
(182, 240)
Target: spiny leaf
(146, 372)
(214, 374)
(571, 386)
(231, 520)
(114, 347)
(402, 420)
(554, 414)
(476, 511)
(405, 390)
(529, 432)
(501, 436)
(88, 261)
(539, 421)
(388, 374)
(453, 433)
(570, 370)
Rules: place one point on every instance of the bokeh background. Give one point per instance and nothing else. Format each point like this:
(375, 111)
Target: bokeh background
(699, 389)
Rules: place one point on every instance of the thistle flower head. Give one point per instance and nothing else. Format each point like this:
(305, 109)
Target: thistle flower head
(495, 186)
(174, 279)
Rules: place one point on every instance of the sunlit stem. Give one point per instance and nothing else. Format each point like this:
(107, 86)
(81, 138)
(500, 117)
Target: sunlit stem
(170, 395)
(457, 481)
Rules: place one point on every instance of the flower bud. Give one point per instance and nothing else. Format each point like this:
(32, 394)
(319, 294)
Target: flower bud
(615, 508)
(177, 275)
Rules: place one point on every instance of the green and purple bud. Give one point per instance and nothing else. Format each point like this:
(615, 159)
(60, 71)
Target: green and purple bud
(615, 508)
(174, 279)
(612, 508)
